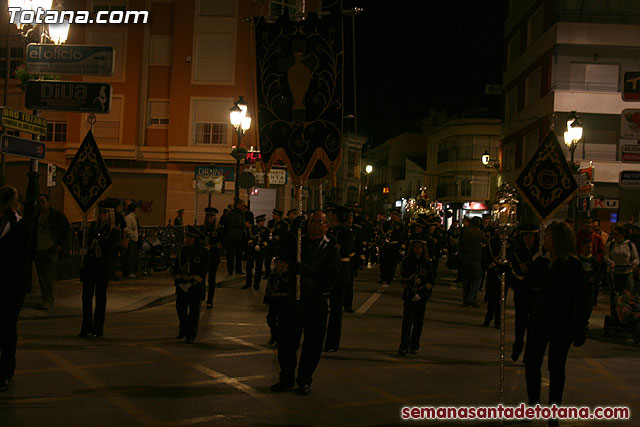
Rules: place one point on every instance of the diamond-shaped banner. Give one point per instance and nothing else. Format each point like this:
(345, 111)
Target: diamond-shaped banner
(546, 183)
(87, 177)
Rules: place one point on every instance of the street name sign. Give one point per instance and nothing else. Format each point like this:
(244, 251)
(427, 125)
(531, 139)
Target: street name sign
(22, 147)
(78, 97)
(630, 179)
(19, 120)
(631, 89)
(70, 59)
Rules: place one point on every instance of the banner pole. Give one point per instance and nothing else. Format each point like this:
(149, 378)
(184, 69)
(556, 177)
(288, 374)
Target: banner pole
(299, 242)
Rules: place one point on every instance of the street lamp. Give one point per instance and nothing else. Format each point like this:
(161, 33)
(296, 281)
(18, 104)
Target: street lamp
(573, 133)
(488, 163)
(241, 121)
(368, 169)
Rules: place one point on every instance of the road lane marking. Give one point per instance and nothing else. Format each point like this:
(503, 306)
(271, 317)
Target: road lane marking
(233, 382)
(141, 416)
(243, 353)
(372, 299)
(241, 342)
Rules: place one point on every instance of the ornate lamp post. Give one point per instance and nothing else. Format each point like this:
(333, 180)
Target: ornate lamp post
(241, 121)
(573, 133)
(504, 219)
(488, 163)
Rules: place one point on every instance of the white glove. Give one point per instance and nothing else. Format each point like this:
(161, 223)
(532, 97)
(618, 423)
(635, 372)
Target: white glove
(257, 248)
(185, 286)
(415, 298)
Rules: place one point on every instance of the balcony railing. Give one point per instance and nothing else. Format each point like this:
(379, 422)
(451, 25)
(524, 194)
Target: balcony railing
(586, 86)
(105, 132)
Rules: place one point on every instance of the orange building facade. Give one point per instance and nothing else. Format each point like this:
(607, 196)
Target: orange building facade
(174, 81)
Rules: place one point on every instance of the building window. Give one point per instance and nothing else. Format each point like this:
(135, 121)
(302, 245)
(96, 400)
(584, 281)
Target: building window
(108, 5)
(210, 121)
(160, 51)
(535, 26)
(511, 103)
(217, 7)
(513, 49)
(594, 77)
(15, 58)
(283, 7)
(158, 113)
(532, 89)
(352, 194)
(210, 133)
(510, 156)
(480, 188)
(56, 132)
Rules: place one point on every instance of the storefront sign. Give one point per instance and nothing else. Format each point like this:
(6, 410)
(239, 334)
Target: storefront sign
(22, 147)
(630, 153)
(631, 83)
(608, 204)
(80, 97)
(630, 179)
(630, 123)
(80, 60)
(474, 206)
(19, 120)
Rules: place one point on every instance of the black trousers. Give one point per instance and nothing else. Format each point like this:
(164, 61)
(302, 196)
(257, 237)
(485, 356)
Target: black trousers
(493, 295)
(10, 304)
(94, 285)
(348, 292)
(188, 308)
(388, 262)
(412, 321)
(336, 300)
(267, 255)
(254, 261)
(211, 278)
(522, 303)
(559, 340)
(234, 255)
(274, 319)
(298, 318)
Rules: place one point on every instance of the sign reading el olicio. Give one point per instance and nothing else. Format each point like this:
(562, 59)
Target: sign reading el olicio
(70, 59)
(81, 97)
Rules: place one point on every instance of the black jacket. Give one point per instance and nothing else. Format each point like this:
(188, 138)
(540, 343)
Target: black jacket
(102, 245)
(318, 270)
(15, 259)
(59, 228)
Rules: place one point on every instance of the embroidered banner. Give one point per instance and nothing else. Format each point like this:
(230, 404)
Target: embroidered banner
(547, 182)
(87, 177)
(299, 85)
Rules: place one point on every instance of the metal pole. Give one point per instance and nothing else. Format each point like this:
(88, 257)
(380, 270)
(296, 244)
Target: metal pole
(503, 297)
(299, 243)
(320, 191)
(6, 100)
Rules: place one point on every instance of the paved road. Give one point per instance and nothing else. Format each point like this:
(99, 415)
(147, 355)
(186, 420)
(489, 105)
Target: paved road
(138, 373)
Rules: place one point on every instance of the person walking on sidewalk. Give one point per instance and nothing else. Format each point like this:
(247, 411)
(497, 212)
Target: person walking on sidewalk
(214, 243)
(130, 264)
(51, 237)
(190, 270)
(103, 239)
(15, 261)
(417, 278)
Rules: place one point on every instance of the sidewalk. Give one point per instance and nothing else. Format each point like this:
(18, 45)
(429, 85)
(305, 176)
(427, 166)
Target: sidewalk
(122, 295)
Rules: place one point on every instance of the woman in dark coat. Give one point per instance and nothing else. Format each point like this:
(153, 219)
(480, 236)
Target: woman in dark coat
(559, 313)
(102, 240)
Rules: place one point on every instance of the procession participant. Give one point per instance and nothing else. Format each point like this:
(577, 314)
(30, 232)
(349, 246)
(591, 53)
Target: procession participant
(213, 242)
(275, 236)
(103, 239)
(179, 221)
(190, 270)
(494, 268)
(343, 239)
(356, 256)
(520, 254)
(391, 236)
(15, 263)
(235, 236)
(255, 244)
(417, 279)
(318, 270)
(276, 292)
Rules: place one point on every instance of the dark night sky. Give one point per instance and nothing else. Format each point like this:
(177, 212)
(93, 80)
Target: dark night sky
(414, 56)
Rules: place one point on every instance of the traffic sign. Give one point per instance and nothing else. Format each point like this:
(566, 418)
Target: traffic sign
(630, 179)
(79, 97)
(51, 175)
(22, 147)
(630, 152)
(631, 90)
(70, 59)
(19, 120)
(246, 180)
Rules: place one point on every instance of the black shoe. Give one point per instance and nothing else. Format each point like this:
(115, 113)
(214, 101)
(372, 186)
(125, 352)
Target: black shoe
(330, 349)
(96, 334)
(85, 334)
(180, 336)
(272, 341)
(303, 390)
(402, 352)
(348, 310)
(247, 286)
(486, 323)
(280, 386)
(413, 351)
(256, 287)
(4, 384)
(189, 340)
(209, 305)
